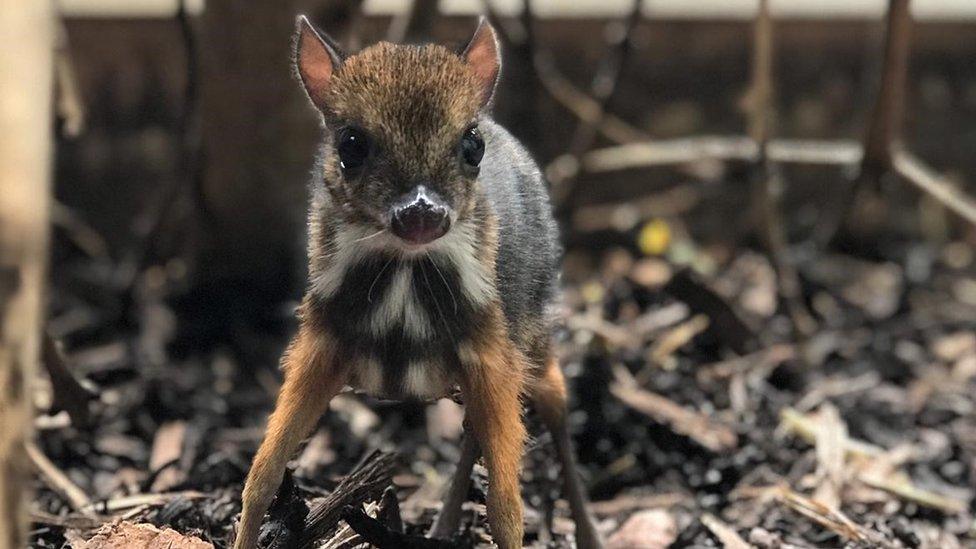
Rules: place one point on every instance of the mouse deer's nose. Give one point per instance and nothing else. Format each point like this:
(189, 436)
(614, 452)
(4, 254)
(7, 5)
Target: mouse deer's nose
(421, 216)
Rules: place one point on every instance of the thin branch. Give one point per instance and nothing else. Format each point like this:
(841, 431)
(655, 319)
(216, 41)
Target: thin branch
(768, 179)
(916, 172)
(603, 89)
(886, 116)
(367, 481)
(736, 148)
(582, 105)
(58, 481)
(415, 24)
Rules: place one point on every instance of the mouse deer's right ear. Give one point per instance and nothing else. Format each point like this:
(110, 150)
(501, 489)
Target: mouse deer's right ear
(317, 57)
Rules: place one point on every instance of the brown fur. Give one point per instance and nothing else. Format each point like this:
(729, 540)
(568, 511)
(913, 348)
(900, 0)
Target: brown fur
(415, 103)
(493, 378)
(312, 378)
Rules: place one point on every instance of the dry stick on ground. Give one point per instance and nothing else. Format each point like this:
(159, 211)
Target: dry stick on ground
(58, 481)
(768, 187)
(726, 534)
(695, 425)
(366, 482)
(562, 171)
(26, 78)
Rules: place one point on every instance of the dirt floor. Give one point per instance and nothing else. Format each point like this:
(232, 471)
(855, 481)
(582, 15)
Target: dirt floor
(702, 415)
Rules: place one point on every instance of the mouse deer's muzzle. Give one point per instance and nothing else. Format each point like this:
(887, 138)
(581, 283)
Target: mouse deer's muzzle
(421, 216)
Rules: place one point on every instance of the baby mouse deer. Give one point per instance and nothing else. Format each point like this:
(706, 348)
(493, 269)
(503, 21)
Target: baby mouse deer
(433, 264)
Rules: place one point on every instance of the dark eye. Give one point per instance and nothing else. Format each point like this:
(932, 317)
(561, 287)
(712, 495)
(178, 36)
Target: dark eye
(472, 147)
(353, 148)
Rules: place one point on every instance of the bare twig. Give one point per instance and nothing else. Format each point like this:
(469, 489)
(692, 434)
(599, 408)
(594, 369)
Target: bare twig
(809, 430)
(736, 148)
(900, 485)
(913, 170)
(414, 24)
(79, 231)
(697, 426)
(887, 114)
(725, 533)
(582, 105)
(627, 503)
(140, 500)
(58, 481)
(603, 89)
(149, 225)
(367, 481)
(831, 519)
(768, 180)
(884, 126)
(382, 536)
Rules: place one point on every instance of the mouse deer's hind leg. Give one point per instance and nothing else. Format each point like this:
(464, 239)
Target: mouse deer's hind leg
(549, 397)
(312, 378)
(449, 518)
(492, 379)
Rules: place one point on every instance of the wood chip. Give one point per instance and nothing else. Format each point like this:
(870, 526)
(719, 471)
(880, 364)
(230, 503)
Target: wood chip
(676, 338)
(648, 529)
(166, 449)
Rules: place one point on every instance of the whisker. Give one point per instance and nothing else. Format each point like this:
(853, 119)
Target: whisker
(369, 294)
(377, 233)
(446, 285)
(434, 297)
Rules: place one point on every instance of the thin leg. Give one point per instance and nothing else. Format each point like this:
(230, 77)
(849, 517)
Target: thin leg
(549, 397)
(491, 383)
(449, 518)
(311, 380)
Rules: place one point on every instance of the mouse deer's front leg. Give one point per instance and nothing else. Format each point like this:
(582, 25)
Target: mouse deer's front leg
(492, 378)
(312, 377)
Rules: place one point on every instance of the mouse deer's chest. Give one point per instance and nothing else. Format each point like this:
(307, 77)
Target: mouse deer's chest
(398, 320)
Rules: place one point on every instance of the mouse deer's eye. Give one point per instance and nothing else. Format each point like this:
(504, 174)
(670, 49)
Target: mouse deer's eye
(472, 147)
(353, 148)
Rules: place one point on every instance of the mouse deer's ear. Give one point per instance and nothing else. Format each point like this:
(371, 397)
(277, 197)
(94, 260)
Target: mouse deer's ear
(483, 56)
(317, 57)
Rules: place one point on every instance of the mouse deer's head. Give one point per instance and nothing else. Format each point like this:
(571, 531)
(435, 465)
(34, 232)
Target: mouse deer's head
(402, 148)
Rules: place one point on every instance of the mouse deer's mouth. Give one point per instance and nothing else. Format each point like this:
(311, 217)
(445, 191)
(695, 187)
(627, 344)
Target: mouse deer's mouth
(420, 217)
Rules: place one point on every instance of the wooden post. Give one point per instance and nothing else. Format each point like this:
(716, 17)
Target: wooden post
(26, 75)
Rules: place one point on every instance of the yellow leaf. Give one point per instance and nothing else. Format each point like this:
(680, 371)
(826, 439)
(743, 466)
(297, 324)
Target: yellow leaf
(654, 237)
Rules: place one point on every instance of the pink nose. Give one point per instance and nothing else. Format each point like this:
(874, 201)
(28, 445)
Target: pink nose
(421, 217)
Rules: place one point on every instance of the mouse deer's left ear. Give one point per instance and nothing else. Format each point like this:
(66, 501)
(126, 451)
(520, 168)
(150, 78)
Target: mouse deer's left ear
(317, 57)
(483, 56)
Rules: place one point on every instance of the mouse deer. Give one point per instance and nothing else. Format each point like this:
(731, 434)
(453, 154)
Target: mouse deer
(433, 265)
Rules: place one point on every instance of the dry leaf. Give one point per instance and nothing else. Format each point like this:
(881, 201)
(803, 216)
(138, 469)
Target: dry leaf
(127, 535)
(648, 529)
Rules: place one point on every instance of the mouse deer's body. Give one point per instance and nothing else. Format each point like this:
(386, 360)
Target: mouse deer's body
(433, 261)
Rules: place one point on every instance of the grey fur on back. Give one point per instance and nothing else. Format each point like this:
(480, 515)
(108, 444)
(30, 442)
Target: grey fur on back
(528, 250)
